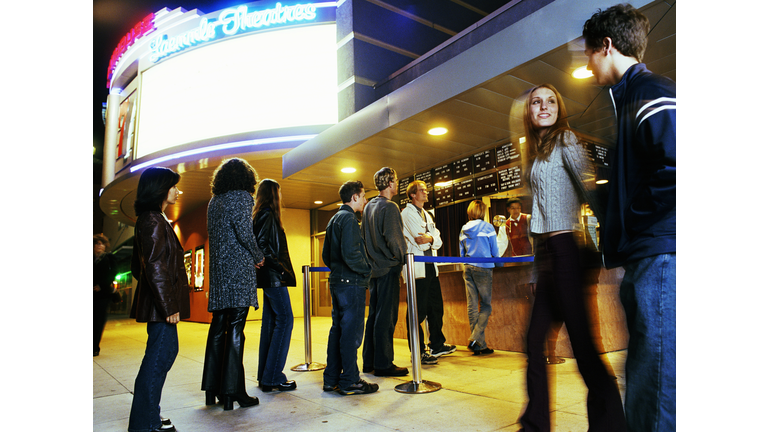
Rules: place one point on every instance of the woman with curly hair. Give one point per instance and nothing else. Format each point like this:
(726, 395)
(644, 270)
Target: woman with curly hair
(275, 278)
(235, 257)
(561, 179)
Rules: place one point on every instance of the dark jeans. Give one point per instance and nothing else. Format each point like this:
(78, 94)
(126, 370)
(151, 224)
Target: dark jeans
(649, 293)
(276, 329)
(429, 302)
(378, 349)
(560, 297)
(346, 335)
(100, 307)
(223, 371)
(162, 348)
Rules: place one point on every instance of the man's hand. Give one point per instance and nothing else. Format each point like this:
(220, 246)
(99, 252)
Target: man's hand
(423, 239)
(173, 319)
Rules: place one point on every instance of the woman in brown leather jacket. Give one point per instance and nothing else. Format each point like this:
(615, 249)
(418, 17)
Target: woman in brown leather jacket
(162, 294)
(274, 277)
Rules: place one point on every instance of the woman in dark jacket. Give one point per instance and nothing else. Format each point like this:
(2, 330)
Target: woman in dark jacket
(274, 277)
(162, 294)
(234, 259)
(104, 271)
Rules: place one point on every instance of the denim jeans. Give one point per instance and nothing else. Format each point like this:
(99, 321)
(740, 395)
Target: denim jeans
(223, 371)
(276, 329)
(479, 284)
(162, 348)
(648, 293)
(378, 349)
(346, 335)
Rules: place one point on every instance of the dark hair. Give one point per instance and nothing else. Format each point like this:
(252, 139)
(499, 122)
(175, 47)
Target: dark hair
(626, 26)
(513, 201)
(101, 238)
(383, 176)
(350, 188)
(154, 185)
(267, 195)
(234, 174)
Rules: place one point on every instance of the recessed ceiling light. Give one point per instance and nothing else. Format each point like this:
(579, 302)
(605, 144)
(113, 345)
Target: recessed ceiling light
(318, 202)
(348, 170)
(601, 182)
(438, 131)
(581, 73)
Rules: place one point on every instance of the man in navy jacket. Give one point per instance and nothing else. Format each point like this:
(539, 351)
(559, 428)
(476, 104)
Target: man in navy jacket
(638, 231)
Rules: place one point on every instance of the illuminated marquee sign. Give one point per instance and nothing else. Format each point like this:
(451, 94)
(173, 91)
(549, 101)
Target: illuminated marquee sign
(141, 29)
(230, 22)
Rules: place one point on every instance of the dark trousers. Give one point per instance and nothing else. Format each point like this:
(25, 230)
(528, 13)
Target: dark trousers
(429, 302)
(378, 349)
(560, 297)
(276, 330)
(346, 335)
(100, 307)
(223, 371)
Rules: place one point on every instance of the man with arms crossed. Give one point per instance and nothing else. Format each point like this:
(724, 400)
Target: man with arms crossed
(382, 233)
(638, 231)
(423, 239)
(344, 253)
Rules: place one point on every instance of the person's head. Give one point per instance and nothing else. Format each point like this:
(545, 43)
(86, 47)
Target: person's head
(157, 188)
(514, 208)
(352, 193)
(476, 210)
(614, 38)
(417, 192)
(100, 244)
(234, 174)
(268, 194)
(385, 178)
(544, 118)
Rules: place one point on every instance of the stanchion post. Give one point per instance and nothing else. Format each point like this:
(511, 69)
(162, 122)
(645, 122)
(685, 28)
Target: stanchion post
(309, 365)
(417, 385)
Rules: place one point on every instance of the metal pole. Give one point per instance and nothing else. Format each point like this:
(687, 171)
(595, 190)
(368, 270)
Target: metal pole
(417, 385)
(308, 365)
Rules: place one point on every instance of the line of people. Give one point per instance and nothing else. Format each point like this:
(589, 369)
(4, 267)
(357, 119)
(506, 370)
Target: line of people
(249, 248)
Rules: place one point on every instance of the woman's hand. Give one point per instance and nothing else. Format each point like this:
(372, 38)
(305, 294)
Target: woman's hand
(173, 319)
(260, 264)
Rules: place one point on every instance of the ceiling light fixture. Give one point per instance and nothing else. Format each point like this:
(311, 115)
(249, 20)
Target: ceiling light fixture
(318, 202)
(348, 170)
(438, 131)
(581, 73)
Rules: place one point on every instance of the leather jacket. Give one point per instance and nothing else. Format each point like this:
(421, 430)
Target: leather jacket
(158, 266)
(277, 270)
(344, 251)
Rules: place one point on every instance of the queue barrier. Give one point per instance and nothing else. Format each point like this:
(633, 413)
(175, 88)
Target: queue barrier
(417, 385)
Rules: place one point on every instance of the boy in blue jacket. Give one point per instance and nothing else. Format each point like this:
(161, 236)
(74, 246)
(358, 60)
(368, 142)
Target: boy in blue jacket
(638, 231)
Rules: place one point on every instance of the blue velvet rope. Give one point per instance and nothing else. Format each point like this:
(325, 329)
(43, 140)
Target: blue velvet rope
(440, 259)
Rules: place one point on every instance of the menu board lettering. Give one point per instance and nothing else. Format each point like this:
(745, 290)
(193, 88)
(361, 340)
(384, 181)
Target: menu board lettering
(462, 168)
(442, 174)
(484, 161)
(426, 177)
(510, 178)
(402, 185)
(487, 184)
(508, 153)
(443, 195)
(464, 189)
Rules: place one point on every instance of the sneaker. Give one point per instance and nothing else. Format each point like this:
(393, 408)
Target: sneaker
(330, 387)
(427, 359)
(360, 387)
(484, 351)
(444, 350)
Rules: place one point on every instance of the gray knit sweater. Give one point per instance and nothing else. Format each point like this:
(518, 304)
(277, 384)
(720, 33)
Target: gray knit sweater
(557, 194)
(233, 251)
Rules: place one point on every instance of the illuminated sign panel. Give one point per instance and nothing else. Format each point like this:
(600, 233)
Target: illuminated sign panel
(141, 29)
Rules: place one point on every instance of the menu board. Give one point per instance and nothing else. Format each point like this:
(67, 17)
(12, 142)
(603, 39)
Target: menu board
(484, 161)
(508, 153)
(464, 189)
(443, 195)
(442, 174)
(426, 177)
(510, 178)
(402, 185)
(598, 154)
(486, 184)
(462, 168)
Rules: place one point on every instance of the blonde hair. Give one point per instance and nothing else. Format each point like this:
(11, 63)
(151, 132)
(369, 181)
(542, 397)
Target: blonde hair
(476, 210)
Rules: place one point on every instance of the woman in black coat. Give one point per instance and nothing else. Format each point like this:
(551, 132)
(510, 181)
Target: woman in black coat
(274, 277)
(104, 271)
(234, 260)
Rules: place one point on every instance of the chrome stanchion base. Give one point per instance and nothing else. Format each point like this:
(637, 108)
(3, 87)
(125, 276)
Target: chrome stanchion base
(308, 367)
(414, 387)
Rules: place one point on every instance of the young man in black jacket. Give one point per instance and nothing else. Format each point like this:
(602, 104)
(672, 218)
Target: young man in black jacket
(344, 253)
(638, 231)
